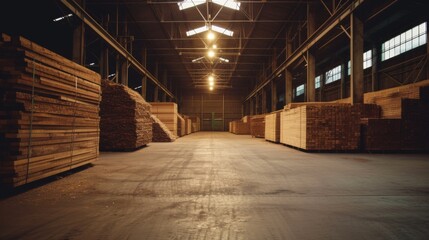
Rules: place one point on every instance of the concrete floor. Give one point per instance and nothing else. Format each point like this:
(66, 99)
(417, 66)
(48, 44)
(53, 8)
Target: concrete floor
(222, 186)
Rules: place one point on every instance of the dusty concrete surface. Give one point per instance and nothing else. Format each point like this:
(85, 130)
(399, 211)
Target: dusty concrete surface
(223, 186)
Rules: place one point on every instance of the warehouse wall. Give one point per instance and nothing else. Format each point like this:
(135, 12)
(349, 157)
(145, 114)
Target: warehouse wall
(215, 110)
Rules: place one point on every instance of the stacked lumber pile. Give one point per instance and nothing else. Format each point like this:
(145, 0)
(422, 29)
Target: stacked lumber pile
(272, 127)
(241, 127)
(321, 127)
(181, 126)
(390, 100)
(125, 122)
(257, 126)
(166, 112)
(196, 123)
(49, 117)
(407, 109)
(188, 125)
(160, 132)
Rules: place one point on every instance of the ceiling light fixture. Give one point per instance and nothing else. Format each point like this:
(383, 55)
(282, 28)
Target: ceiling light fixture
(63, 17)
(224, 60)
(211, 84)
(214, 46)
(211, 78)
(228, 3)
(232, 4)
(197, 59)
(210, 34)
(222, 30)
(190, 3)
(196, 31)
(211, 88)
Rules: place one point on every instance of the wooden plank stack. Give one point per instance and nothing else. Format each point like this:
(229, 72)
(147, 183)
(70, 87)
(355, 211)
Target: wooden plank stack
(390, 100)
(181, 126)
(272, 127)
(188, 125)
(49, 113)
(241, 128)
(257, 126)
(125, 123)
(196, 123)
(160, 132)
(167, 113)
(405, 108)
(321, 127)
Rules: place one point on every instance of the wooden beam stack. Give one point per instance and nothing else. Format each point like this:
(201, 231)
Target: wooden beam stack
(125, 123)
(160, 132)
(181, 126)
(272, 127)
(188, 125)
(196, 123)
(49, 113)
(257, 126)
(321, 127)
(240, 127)
(390, 100)
(167, 113)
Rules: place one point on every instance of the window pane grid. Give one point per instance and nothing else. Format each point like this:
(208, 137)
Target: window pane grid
(333, 74)
(406, 41)
(300, 90)
(317, 82)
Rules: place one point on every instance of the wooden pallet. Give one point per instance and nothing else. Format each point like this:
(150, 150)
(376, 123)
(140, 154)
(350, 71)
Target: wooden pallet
(160, 132)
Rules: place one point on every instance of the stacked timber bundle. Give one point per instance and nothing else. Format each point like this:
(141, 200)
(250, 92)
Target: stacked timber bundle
(381, 134)
(241, 128)
(390, 100)
(405, 108)
(196, 123)
(272, 127)
(49, 117)
(321, 127)
(181, 126)
(188, 125)
(125, 119)
(257, 126)
(166, 112)
(160, 132)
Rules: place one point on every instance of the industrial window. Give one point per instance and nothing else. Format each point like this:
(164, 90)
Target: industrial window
(333, 74)
(406, 41)
(299, 90)
(367, 61)
(317, 81)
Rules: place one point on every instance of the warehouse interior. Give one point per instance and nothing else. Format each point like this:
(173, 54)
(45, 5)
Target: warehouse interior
(214, 119)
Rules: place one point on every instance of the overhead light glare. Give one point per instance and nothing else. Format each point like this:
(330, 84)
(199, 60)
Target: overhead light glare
(211, 78)
(92, 64)
(211, 88)
(228, 3)
(222, 30)
(196, 31)
(211, 84)
(210, 36)
(224, 60)
(214, 46)
(63, 17)
(211, 53)
(190, 3)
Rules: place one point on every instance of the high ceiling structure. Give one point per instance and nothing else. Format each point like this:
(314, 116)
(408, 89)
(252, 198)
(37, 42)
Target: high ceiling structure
(246, 35)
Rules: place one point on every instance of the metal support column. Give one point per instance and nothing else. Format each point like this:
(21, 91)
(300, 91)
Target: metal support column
(356, 59)
(156, 90)
(374, 69)
(273, 96)
(311, 75)
(79, 40)
(264, 101)
(343, 81)
(144, 79)
(288, 73)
